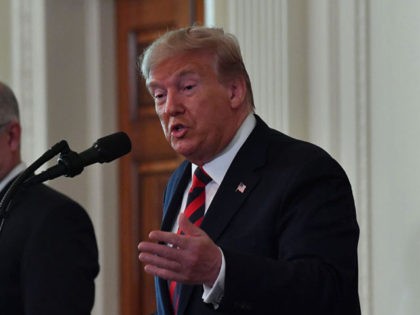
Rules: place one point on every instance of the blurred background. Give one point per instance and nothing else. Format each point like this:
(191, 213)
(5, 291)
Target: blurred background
(342, 74)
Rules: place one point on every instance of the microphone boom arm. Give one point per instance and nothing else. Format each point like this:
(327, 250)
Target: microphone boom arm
(70, 164)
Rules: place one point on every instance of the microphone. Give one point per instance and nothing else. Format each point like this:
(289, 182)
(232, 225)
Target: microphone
(70, 163)
(107, 149)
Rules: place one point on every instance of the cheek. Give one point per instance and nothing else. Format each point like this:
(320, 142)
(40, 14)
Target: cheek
(159, 111)
(215, 112)
(161, 117)
(164, 126)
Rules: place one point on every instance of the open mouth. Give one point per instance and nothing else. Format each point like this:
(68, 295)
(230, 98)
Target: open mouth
(178, 130)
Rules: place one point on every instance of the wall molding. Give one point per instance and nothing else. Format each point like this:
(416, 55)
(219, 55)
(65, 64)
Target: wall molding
(339, 107)
(28, 73)
(264, 46)
(364, 155)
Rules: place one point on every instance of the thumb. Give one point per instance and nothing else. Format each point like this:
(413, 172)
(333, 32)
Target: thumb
(187, 227)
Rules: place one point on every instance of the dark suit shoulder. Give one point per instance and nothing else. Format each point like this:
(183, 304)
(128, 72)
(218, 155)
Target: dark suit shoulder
(50, 256)
(46, 194)
(278, 150)
(280, 143)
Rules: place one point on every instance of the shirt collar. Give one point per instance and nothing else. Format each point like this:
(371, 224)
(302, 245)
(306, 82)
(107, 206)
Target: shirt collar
(218, 167)
(12, 174)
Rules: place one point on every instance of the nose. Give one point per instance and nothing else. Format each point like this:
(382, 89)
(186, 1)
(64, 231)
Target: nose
(173, 105)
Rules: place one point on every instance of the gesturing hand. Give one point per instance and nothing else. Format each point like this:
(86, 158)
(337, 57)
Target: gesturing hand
(193, 257)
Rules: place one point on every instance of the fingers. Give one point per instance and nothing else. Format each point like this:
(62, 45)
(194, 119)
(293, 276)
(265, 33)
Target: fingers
(167, 238)
(191, 258)
(154, 250)
(161, 260)
(162, 257)
(177, 240)
(188, 227)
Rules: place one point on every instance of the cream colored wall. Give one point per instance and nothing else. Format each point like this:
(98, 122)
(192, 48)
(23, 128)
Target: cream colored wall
(395, 150)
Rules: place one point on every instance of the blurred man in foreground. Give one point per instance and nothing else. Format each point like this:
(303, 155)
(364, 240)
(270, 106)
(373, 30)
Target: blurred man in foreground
(48, 251)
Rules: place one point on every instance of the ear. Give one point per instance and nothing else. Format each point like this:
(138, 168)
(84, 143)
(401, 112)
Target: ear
(14, 132)
(237, 92)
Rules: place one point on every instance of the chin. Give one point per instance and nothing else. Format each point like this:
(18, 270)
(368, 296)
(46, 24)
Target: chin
(185, 152)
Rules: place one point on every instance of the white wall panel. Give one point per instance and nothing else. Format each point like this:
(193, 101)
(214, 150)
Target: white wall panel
(28, 74)
(395, 129)
(261, 28)
(5, 40)
(338, 106)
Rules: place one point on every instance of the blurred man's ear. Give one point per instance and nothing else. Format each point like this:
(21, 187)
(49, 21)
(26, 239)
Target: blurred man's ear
(13, 131)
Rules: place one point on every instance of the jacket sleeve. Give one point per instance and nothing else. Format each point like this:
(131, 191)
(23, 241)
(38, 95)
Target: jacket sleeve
(314, 268)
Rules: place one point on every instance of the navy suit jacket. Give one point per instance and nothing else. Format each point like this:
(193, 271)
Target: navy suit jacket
(289, 239)
(48, 256)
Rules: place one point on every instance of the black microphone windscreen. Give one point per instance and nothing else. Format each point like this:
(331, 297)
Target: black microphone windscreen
(112, 146)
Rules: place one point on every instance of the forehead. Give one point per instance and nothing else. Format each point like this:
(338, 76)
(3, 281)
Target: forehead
(182, 66)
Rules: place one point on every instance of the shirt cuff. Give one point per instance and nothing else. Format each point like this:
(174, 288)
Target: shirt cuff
(215, 293)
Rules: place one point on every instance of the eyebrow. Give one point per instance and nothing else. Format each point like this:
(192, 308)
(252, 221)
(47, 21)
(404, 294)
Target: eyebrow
(186, 72)
(182, 73)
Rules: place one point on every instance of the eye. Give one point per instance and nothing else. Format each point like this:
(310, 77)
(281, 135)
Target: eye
(188, 88)
(158, 95)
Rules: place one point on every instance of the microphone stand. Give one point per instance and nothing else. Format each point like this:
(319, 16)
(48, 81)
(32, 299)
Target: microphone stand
(69, 164)
(6, 201)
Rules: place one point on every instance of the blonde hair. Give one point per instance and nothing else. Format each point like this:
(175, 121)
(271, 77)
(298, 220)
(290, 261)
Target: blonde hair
(224, 46)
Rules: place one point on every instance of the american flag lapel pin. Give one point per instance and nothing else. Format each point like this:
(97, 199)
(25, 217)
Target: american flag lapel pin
(241, 188)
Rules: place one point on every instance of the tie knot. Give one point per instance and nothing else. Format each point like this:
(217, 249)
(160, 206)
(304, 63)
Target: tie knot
(200, 178)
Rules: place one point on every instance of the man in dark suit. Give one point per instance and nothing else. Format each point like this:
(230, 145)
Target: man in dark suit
(279, 233)
(48, 251)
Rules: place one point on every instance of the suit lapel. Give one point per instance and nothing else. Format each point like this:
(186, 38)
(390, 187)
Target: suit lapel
(239, 181)
(172, 201)
(229, 198)
(174, 195)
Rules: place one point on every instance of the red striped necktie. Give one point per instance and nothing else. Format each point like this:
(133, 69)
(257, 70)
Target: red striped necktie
(194, 210)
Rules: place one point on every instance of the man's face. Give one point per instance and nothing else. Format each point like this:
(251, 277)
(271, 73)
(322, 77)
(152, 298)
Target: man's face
(195, 109)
